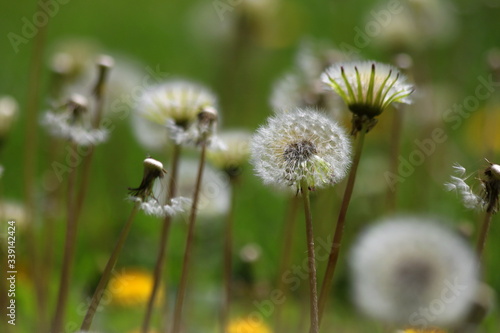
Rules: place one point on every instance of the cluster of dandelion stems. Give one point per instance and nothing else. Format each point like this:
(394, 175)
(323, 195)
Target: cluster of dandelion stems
(74, 205)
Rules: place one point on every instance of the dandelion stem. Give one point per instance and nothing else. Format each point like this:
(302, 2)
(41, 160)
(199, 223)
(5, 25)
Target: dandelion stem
(30, 161)
(311, 259)
(339, 229)
(160, 258)
(106, 274)
(189, 245)
(69, 253)
(228, 257)
(289, 227)
(483, 235)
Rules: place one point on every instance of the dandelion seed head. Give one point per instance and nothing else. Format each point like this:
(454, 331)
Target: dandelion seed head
(300, 145)
(404, 264)
(73, 123)
(368, 87)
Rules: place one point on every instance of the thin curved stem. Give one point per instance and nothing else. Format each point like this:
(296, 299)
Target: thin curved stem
(339, 229)
(160, 258)
(106, 274)
(483, 234)
(289, 230)
(311, 260)
(228, 257)
(189, 246)
(69, 253)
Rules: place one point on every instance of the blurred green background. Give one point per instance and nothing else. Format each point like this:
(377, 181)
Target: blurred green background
(240, 59)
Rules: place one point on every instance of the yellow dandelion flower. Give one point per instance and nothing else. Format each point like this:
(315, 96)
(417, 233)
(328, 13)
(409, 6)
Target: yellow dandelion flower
(242, 325)
(428, 330)
(132, 287)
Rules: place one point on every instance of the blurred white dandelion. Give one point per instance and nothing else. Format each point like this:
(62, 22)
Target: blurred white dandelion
(176, 105)
(73, 123)
(413, 271)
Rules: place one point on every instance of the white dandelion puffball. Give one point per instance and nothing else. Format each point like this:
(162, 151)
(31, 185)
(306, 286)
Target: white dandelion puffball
(413, 271)
(300, 145)
(178, 101)
(368, 87)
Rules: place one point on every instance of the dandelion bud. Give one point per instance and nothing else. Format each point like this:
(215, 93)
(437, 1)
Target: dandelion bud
(491, 183)
(302, 145)
(407, 268)
(153, 169)
(143, 194)
(206, 125)
(367, 88)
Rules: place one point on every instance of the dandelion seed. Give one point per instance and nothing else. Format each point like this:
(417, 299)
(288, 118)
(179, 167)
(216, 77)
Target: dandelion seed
(367, 88)
(74, 123)
(176, 105)
(300, 145)
(404, 267)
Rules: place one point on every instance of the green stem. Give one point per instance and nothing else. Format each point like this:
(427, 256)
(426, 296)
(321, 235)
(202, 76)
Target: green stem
(289, 230)
(313, 292)
(106, 274)
(69, 253)
(228, 256)
(339, 229)
(483, 234)
(189, 245)
(160, 258)
(30, 163)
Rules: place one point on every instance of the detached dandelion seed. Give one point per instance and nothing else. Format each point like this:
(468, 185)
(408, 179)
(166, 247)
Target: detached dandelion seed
(403, 267)
(367, 88)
